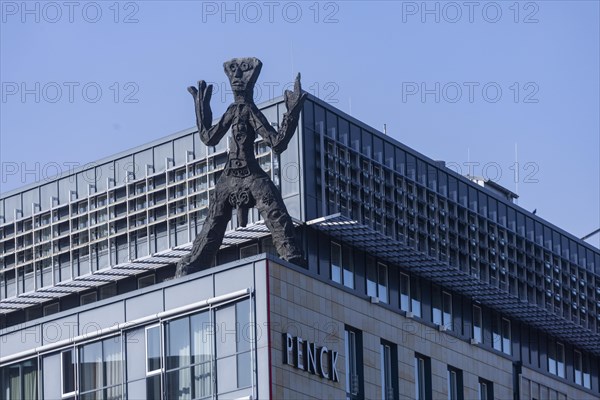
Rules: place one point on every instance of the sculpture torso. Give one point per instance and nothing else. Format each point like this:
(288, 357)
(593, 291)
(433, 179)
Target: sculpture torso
(241, 161)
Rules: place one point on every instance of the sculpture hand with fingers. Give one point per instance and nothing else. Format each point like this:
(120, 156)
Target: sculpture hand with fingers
(243, 184)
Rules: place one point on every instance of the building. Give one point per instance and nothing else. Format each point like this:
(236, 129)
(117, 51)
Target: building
(420, 283)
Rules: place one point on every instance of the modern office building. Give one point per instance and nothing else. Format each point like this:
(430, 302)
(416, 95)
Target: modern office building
(419, 283)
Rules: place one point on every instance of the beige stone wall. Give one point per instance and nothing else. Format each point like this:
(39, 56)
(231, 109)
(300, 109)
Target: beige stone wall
(317, 311)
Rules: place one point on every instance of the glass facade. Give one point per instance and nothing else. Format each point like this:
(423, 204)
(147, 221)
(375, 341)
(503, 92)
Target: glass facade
(401, 194)
(204, 354)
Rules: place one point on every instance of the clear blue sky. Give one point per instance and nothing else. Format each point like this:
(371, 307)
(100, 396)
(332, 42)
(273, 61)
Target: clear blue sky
(370, 59)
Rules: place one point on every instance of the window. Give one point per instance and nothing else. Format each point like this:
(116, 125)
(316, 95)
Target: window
(377, 280)
(153, 362)
(101, 369)
(353, 360)
(189, 355)
(249, 251)
(389, 371)
(501, 335)
(233, 346)
(581, 364)
(68, 370)
(441, 310)
(486, 390)
(556, 358)
(477, 324)
(455, 383)
(19, 381)
(404, 292)
(422, 377)
(342, 265)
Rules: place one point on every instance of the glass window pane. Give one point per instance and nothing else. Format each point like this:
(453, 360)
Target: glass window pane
(348, 263)
(113, 363)
(244, 370)
(477, 321)
(415, 289)
(243, 327)
(331, 125)
(153, 348)
(367, 143)
(178, 384)
(404, 292)
(90, 372)
(202, 333)
(68, 371)
(506, 345)
(225, 331)
(383, 283)
(377, 149)
(355, 137)
(344, 127)
(336, 262)
(447, 310)
(371, 277)
(178, 346)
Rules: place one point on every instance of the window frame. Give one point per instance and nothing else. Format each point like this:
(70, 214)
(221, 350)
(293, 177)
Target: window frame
(74, 357)
(455, 381)
(389, 370)
(358, 365)
(485, 389)
(160, 358)
(422, 381)
(477, 338)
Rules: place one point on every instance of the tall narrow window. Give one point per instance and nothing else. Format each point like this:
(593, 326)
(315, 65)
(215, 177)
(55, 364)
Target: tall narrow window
(404, 292)
(506, 336)
(377, 280)
(336, 262)
(556, 358)
(477, 324)
(354, 371)
(348, 267)
(382, 287)
(415, 289)
(455, 383)
(342, 265)
(447, 310)
(389, 371)
(486, 390)
(153, 362)
(101, 369)
(501, 334)
(68, 368)
(422, 377)
(581, 364)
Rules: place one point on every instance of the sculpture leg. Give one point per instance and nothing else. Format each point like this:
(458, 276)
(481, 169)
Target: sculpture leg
(273, 210)
(209, 239)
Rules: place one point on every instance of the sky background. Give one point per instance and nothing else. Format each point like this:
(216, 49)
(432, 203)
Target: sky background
(468, 84)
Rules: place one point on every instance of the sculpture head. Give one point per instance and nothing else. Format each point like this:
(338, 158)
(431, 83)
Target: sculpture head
(242, 74)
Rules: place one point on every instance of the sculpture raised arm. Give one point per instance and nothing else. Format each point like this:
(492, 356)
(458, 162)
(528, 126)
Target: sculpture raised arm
(210, 135)
(279, 141)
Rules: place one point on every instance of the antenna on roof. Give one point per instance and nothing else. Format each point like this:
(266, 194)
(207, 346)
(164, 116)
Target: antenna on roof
(516, 171)
(385, 129)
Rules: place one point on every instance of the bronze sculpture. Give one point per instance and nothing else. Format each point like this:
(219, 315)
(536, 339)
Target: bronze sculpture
(243, 184)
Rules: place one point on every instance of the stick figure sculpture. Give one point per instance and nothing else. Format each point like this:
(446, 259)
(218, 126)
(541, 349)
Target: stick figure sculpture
(243, 184)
